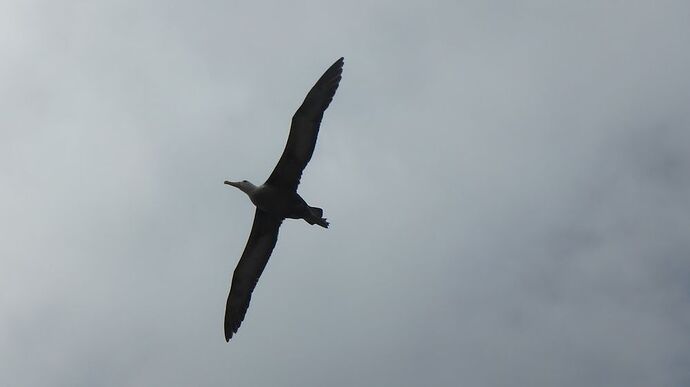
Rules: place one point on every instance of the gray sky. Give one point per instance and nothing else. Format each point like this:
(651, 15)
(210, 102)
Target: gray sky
(507, 185)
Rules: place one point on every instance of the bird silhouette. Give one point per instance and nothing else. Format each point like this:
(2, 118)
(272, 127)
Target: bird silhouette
(277, 199)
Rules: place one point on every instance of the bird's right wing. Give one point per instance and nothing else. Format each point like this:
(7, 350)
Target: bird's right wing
(262, 240)
(305, 128)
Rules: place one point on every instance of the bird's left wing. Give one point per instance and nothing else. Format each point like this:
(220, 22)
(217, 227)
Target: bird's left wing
(262, 240)
(305, 128)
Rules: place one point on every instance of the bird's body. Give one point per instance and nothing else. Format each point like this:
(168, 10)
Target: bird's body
(277, 199)
(282, 203)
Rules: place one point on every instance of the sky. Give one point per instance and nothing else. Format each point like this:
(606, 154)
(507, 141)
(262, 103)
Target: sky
(507, 184)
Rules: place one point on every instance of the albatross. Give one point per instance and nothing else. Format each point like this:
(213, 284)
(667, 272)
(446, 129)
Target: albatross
(277, 199)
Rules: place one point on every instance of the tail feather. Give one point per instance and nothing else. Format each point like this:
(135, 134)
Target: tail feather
(316, 211)
(316, 217)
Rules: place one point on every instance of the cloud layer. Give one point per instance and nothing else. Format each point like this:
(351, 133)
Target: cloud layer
(508, 188)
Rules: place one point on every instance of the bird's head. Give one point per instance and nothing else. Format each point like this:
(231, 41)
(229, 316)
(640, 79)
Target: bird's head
(244, 185)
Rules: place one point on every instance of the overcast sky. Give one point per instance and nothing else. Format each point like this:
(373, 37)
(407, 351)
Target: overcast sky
(507, 183)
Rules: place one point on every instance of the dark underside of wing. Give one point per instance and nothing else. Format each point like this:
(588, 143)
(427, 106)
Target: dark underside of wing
(305, 129)
(262, 240)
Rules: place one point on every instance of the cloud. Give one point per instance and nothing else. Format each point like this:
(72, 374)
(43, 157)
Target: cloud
(506, 183)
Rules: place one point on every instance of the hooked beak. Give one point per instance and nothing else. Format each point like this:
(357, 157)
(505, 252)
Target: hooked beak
(232, 183)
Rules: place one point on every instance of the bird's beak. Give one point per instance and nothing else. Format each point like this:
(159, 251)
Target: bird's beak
(232, 183)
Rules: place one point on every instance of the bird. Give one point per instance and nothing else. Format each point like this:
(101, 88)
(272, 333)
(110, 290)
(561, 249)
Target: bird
(277, 198)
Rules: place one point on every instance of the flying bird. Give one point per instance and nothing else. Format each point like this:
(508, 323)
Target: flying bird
(277, 199)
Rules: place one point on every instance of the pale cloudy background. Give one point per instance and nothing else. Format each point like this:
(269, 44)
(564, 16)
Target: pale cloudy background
(508, 185)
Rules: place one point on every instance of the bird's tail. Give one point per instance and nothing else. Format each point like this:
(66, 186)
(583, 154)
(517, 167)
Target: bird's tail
(316, 217)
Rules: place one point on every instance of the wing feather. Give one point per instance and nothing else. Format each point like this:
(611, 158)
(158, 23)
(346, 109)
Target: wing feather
(305, 129)
(262, 240)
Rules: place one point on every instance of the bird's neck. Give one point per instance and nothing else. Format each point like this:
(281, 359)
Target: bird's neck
(248, 188)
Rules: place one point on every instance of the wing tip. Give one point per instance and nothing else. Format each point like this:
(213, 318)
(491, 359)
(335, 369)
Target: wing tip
(337, 65)
(230, 325)
(228, 333)
(230, 330)
(332, 76)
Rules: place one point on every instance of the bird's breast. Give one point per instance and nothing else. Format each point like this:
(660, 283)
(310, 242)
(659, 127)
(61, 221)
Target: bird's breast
(276, 201)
